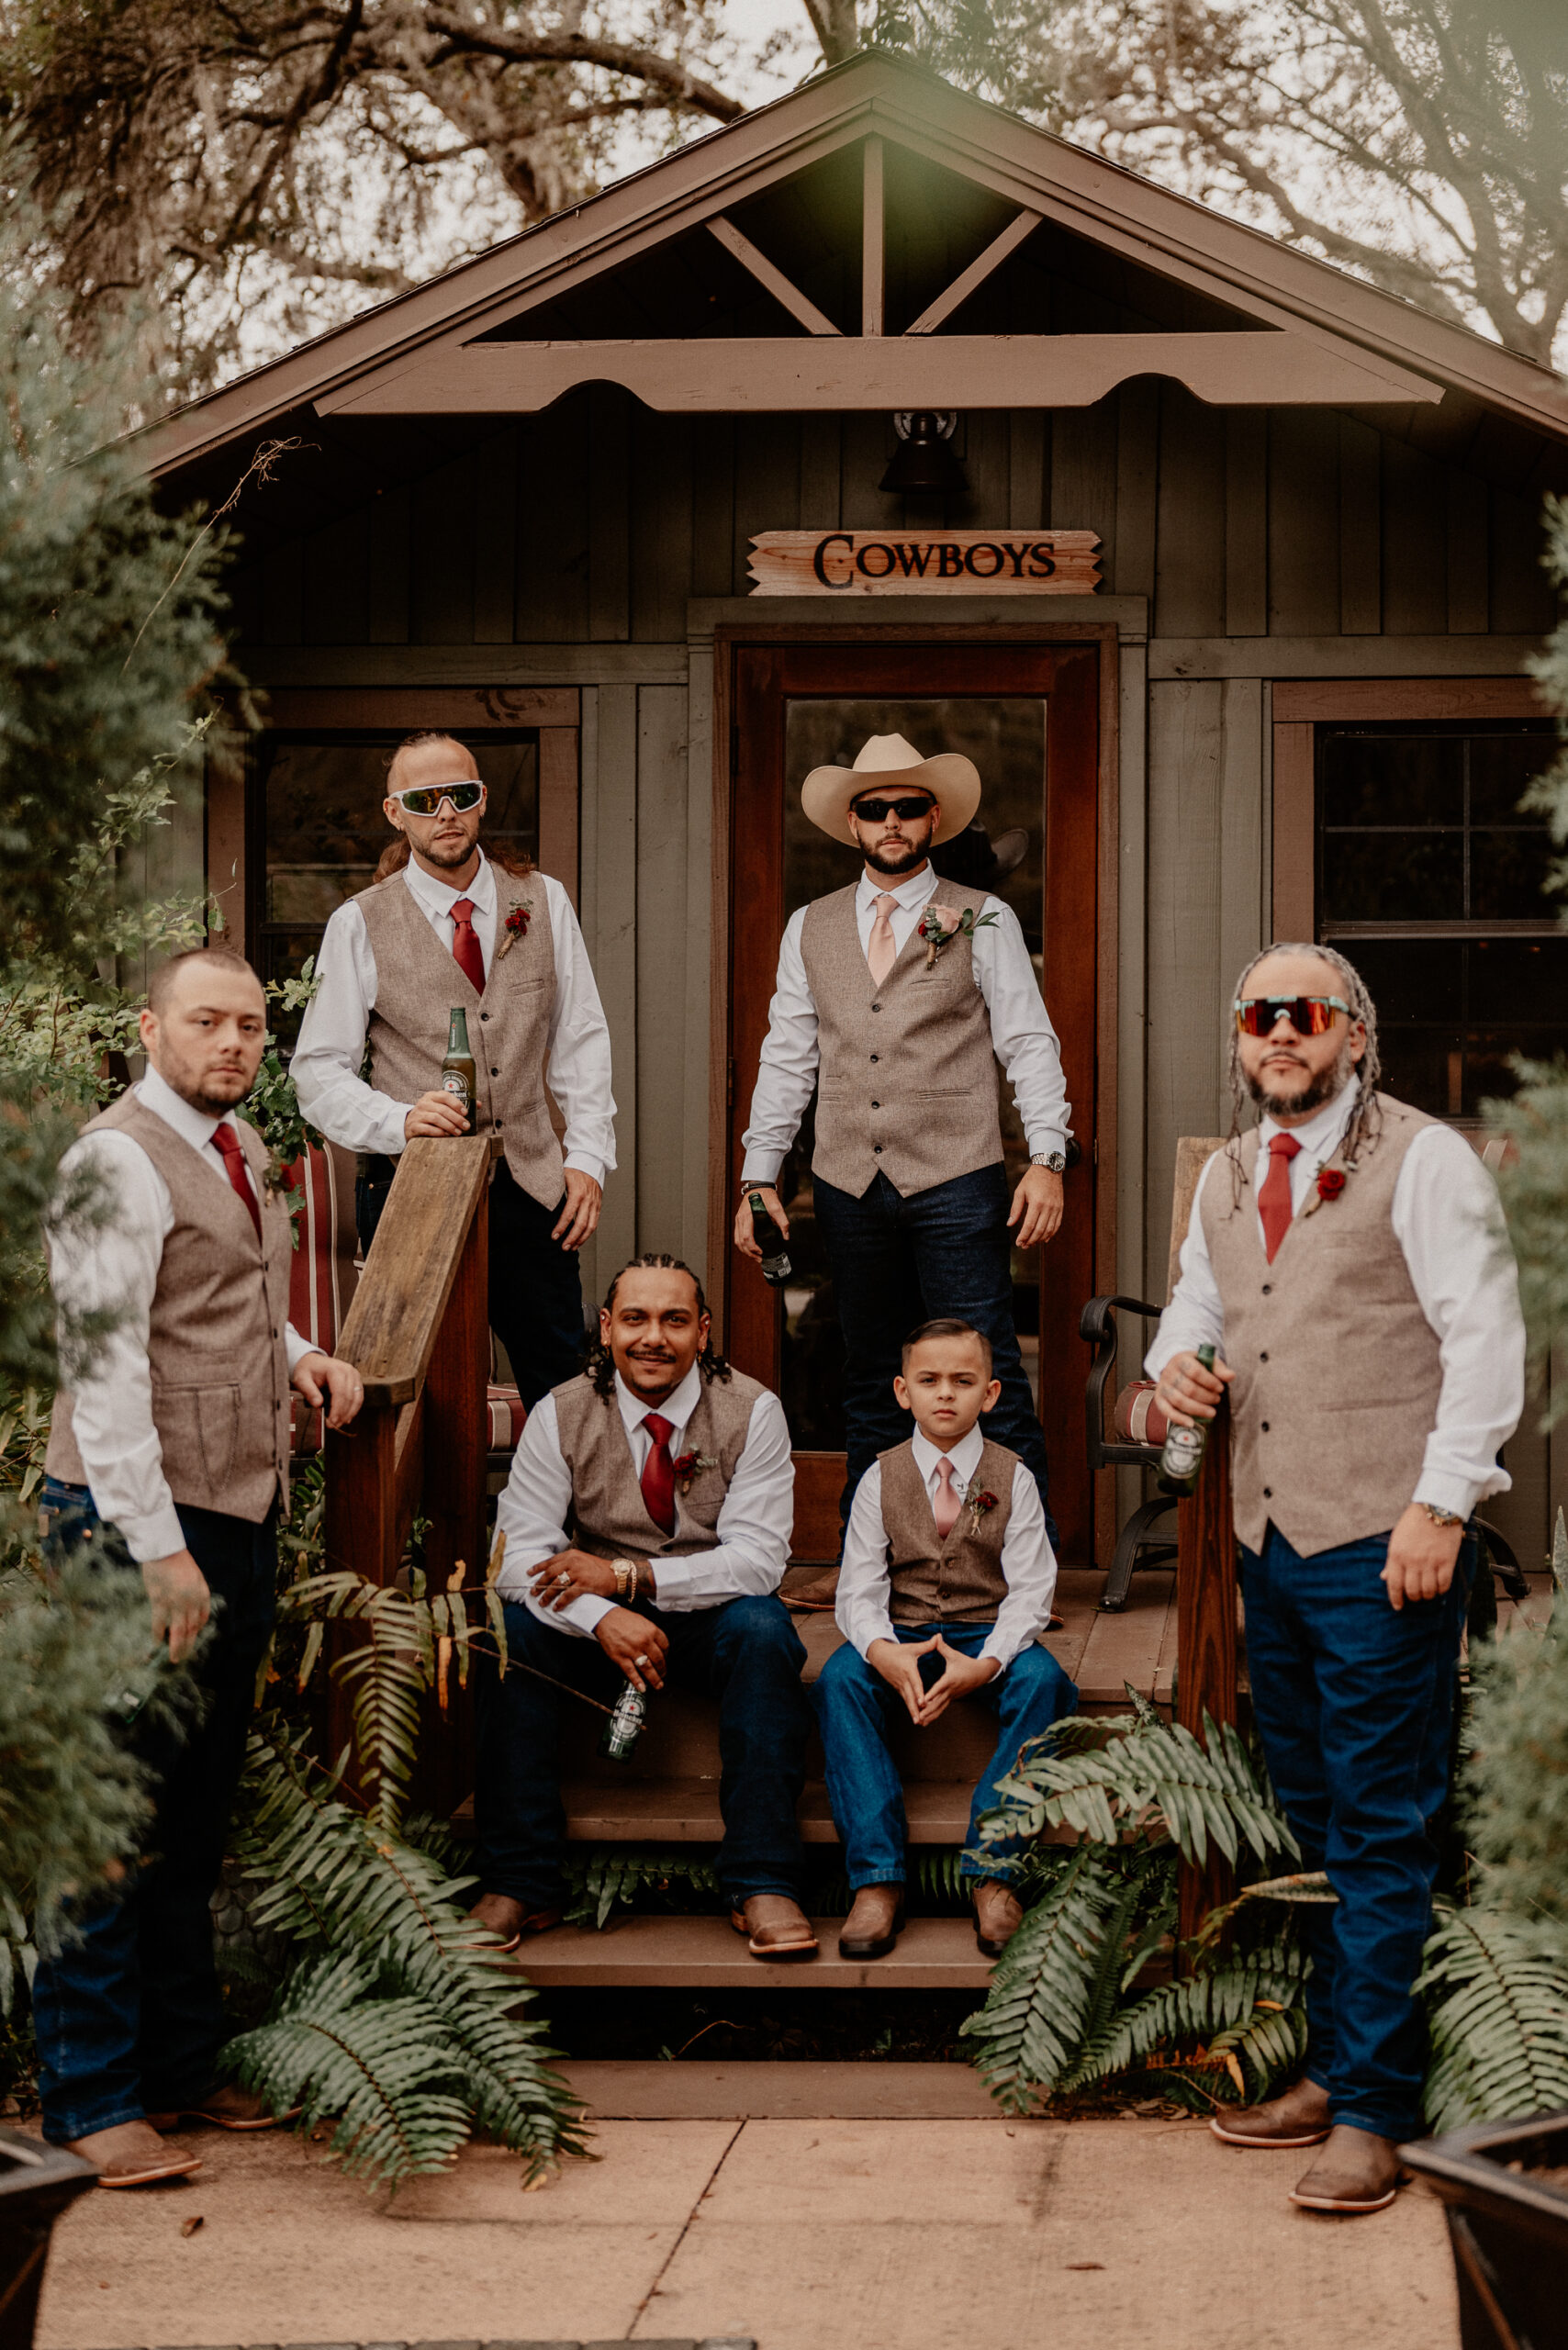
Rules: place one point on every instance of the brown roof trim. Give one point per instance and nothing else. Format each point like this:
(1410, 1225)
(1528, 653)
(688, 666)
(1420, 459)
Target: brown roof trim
(1102, 201)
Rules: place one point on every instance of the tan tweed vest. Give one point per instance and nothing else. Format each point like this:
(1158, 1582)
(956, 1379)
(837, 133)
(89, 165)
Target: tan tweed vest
(1337, 1371)
(906, 1084)
(955, 1580)
(609, 1517)
(216, 1341)
(417, 983)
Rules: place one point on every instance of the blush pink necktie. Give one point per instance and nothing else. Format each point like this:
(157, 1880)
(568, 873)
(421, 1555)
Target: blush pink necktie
(945, 1508)
(1274, 1204)
(881, 953)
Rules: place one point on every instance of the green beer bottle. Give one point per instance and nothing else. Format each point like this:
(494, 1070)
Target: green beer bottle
(770, 1240)
(1184, 1448)
(624, 1726)
(458, 1075)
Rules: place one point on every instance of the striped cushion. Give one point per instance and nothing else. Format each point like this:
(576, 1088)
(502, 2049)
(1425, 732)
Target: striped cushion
(507, 1416)
(1138, 1418)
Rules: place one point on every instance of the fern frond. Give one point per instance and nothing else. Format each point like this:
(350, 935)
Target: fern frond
(1497, 2009)
(1157, 1774)
(336, 2049)
(340, 1883)
(1221, 1999)
(601, 1877)
(1031, 2027)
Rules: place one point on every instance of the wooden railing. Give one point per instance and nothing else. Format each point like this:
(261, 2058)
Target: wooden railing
(1206, 1641)
(418, 1333)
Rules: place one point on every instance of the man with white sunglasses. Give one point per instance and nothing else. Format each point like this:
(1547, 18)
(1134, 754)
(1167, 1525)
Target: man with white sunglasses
(451, 925)
(1347, 1259)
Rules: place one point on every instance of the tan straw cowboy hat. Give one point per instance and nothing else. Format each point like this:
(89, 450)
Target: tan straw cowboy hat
(888, 759)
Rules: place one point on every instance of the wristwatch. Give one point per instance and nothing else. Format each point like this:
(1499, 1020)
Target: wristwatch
(1054, 1161)
(1441, 1516)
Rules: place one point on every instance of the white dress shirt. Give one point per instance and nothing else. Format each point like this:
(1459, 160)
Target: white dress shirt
(1028, 1562)
(1021, 1031)
(1449, 1222)
(326, 1065)
(112, 1267)
(755, 1524)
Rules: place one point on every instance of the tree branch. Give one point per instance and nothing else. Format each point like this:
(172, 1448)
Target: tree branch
(475, 36)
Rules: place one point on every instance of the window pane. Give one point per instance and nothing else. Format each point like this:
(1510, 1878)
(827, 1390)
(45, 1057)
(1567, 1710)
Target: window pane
(1392, 876)
(1500, 766)
(1523, 981)
(1413, 982)
(1508, 876)
(1389, 779)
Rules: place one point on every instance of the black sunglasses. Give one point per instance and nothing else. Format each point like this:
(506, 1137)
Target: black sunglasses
(876, 812)
(423, 799)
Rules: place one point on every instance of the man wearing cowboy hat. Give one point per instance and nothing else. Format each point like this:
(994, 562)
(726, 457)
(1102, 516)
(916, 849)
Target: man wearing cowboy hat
(895, 997)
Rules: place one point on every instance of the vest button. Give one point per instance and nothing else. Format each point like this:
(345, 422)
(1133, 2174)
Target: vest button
(876, 1056)
(1268, 1289)
(484, 1015)
(495, 1072)
(877, 1149)
(1263, 1358)
(1268, 1492)
(1264, 1426)
(875, 1105)
(876, 1007)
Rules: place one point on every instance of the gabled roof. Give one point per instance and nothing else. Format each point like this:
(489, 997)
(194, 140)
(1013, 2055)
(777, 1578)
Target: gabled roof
(1290, 329)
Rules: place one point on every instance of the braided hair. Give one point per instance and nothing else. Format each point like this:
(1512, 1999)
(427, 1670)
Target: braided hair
(600, 1364)
(1366, 1119)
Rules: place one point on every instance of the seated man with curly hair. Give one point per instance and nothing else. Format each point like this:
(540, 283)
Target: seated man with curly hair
(647, 1522)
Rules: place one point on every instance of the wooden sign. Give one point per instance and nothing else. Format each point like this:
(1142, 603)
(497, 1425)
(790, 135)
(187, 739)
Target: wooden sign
(925, 563)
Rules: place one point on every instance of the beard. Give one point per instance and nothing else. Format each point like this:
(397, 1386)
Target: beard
(1325, 1087)
(903, 860)
(450, 857)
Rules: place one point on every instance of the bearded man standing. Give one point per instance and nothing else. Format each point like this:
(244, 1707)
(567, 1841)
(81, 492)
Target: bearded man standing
(896, 998)
(1347, 1261)
(169, 1453)
(453, 926)
(648, 1521)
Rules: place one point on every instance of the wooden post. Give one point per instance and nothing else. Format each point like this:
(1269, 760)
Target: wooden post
(456, 1447)
(1206, 1640)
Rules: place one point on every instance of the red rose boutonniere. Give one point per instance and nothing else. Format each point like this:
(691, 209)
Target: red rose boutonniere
(514, 928)
(980, 1503)
(689, 1466)
(939, 923)
(1331, 1182)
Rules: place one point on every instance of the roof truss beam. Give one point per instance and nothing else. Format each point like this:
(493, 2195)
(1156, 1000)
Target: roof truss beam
(783, 289)
(979, 269)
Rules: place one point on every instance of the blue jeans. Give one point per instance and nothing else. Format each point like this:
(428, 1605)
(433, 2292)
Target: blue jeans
(897, 1262)
(854, 1706)
(1354, 1703)
(535, 1285)
(745, 1652)
(128, 2015)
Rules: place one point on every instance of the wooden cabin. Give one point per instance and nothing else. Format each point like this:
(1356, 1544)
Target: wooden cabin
(1235, 621)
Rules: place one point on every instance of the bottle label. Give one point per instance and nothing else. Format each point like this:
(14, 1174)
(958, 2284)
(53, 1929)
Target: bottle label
(453, 1081)
(1183, 1451)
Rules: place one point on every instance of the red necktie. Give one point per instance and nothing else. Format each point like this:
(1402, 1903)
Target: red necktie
(1274, 1205)
(945, 1508)
(658, 1472)
(233, 1150)
(465, 947)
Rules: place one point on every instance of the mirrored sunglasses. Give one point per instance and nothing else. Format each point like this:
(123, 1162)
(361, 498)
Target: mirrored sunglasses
(1309, 1015)
(876, 812)
(424, 799)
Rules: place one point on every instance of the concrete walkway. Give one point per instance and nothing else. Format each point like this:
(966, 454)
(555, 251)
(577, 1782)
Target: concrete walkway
(877, 2235)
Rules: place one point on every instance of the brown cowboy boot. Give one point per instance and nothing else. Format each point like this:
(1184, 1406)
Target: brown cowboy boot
(1357, 2171)
(228, 2108)
(873, 1926)
(999, 1913)
(1298, 2117)
(509, 1921)
(131, 2154)
(775, 1926)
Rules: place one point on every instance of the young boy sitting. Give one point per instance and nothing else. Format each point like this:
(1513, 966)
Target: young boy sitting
(947, 1577)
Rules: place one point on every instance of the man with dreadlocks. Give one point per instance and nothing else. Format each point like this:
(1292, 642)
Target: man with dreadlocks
(1347, 1261)
(647, 1522)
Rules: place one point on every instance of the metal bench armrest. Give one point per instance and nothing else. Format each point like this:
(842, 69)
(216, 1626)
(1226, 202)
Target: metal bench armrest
(1097, 1323)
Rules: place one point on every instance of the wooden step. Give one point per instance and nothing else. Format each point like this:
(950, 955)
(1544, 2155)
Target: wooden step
(706, 1953)
(686, 1811)
(796, 2090)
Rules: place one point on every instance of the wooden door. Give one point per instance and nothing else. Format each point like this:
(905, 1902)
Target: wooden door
(1028, 715)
